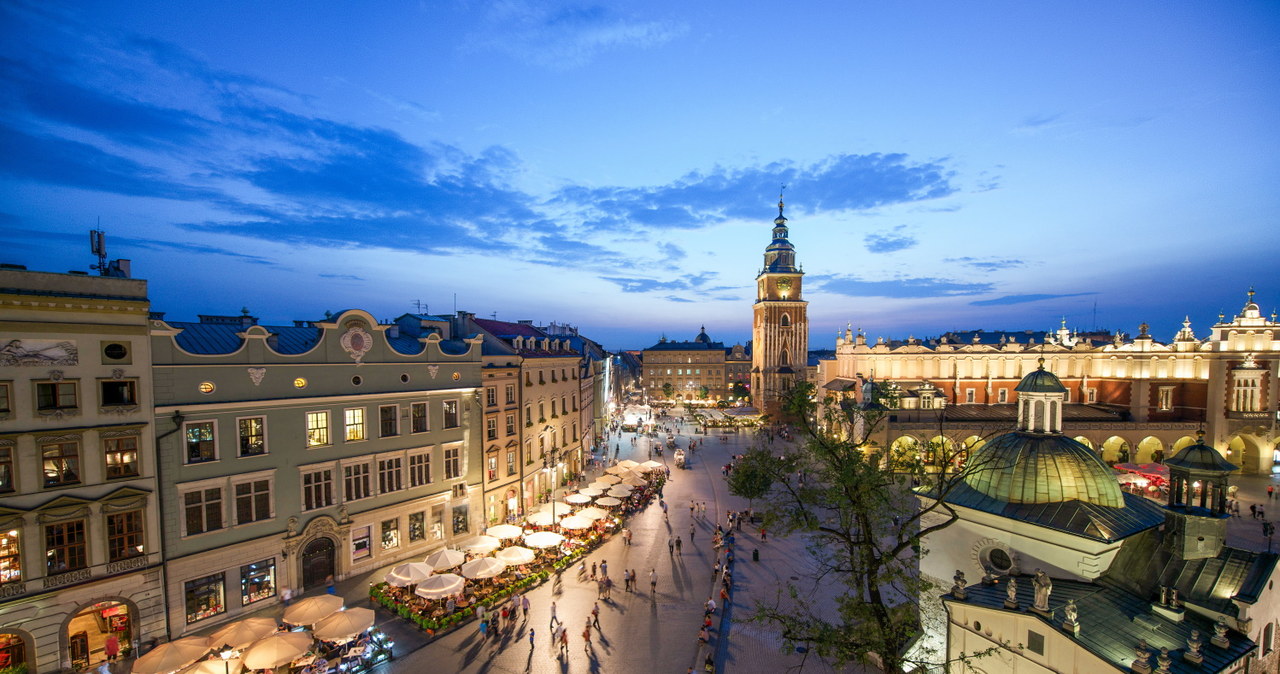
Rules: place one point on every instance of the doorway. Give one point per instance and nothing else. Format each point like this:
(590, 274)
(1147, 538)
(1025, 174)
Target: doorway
(317, 562)
(99, 632)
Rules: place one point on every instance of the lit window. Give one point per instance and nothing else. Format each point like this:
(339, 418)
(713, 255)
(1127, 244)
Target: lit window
(124, 535)
(10, 557)
(206, 387)
(353, 420)
(61, 463)
(317, 429)
(253, 435)
(201, 442)
(121, 455)
(300, 382)
(450, 414)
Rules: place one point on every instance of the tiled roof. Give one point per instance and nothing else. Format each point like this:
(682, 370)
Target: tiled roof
(405, 345)
(1113, 622)
(212, 339)
(505, 329)
(1101, 523)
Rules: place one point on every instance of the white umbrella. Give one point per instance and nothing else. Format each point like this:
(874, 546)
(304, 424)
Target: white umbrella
(483, 545)
(172, 656)
(634, 481)
(577, 499)
(440, 585)
(614, 470)
(344, 624)
(592, 513)
(277, 649)
(620, 493)
(411, 573)
(445, 559)
(558, 507)
(542, 518)
(609, 501)
(241, 633)
(543, 539)
(575, 522)
(514, 554)
(628, 463)
(310, 610)
(591, 491)
(505, 531)
(485, 567)
(651, 465)
(216, 666)
(610, 479)
(602, 486)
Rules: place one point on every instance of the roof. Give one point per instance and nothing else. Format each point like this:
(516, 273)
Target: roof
(1022, 467)
(1071, 412)
(1200, 457)
(506, 329)
(1040, 381)
(1080, 518)
(841, 384)
(687, 346)
(1113, 622)
(212, 339)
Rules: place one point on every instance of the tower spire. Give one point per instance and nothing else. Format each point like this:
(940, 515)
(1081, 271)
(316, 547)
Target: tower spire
(781, 205)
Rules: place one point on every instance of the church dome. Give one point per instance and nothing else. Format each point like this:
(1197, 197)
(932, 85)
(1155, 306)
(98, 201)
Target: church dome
(1201, 457)
(1040, 381)
(703, 337)
(1021, 467)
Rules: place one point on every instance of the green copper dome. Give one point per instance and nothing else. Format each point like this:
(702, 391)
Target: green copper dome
(1040, 381)
(1023, 467)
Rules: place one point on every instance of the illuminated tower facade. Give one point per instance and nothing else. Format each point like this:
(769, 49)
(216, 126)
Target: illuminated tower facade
(780, 325)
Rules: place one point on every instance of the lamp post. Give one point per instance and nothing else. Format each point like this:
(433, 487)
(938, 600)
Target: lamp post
(226, 653)
(549, 460)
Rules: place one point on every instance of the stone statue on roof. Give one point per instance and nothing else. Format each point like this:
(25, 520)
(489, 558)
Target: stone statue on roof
(1043, 586)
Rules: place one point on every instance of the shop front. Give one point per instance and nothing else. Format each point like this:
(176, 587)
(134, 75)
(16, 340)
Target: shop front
(98, 633)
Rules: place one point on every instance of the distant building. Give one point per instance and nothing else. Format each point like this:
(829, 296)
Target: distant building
(692, 371)
(780, 324)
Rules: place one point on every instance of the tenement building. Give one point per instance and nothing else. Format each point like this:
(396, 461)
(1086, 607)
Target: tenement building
(300, 454)
(687, 371)
(780, 324)
(1130, 399)
(80, 538)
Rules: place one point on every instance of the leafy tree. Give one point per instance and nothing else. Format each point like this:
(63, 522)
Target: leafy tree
(863, 523)
(739, 391)
(703, 392)
(668, 390)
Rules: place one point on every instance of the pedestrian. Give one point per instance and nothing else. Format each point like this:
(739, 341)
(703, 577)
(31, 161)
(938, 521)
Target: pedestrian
(671, 546)
(530, 638)
(506, 616)
(112, 646)
(480, 612)
(710, 606)
(586, 639)
(595, 615)
(715, 570)
(678, 547)
(524, 606)
(608, 588)
(691, 506)
(653, 581)
(593, 570)
(484, 628)
(764, 535)
(599, 588)
(564, 639)
(1235, 509)
(554, 620)
(329, 585)
(1271, 491)
(703, 637)
(692, 529)
(1253, 510)
(286, 595)
(604, 568)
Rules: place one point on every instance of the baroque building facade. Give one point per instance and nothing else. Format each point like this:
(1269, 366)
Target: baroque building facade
(687, 371)
(780, 324)
(80, 531)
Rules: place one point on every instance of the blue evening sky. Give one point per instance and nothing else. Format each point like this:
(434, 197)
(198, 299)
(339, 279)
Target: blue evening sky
(615, 166)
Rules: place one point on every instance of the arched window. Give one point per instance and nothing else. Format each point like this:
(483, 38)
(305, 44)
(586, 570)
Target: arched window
(786, 321)
(784, 357)
(1037, 421)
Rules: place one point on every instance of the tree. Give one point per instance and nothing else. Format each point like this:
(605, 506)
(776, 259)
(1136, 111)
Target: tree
(703, 392)
(863, 521)
(668, 390)
(739, 391)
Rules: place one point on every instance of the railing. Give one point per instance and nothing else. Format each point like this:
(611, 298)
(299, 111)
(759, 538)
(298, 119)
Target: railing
(57, 580)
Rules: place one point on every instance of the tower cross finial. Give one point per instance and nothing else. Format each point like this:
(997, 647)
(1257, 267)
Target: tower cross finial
(780, 204)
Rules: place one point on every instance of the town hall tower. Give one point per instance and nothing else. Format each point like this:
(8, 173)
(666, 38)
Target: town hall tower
(780, 325)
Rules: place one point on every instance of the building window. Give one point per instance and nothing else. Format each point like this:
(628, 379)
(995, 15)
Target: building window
(491, 428)
(511, 394)
(317, 429)
(61, 463)
(56, 395)
(203, 510)
(418, 415)
(389, 475)
(64, 547)
(121, 455)
(118, 392)
(1002, 395)
(491, 467)
(206, 597)
(253, 435)
(970, 395)
(6, 401)
(355, 482)
(201, 442)
(10, 557)
(317, 489)
(253, 501)
(390, 534)
(360, 544)
(124, 535)
(388, 421)
(1268, 637)
(1091, 395)
(417, 527)
(6, 469)
(491, 396)
(511, 424)
(511, 462)
(1035, 642)
(1165, 401)
(450, 414)
(258, 581)
(419, 470)
(452, 463)
(353, 421)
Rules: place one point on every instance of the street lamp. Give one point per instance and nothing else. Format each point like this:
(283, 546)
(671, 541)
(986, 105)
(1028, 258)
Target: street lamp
(226, 653)
(549, 460)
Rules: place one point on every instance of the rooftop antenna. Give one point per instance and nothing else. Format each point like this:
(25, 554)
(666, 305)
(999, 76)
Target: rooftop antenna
(98, 246)
(455, 303)
(1095, 315)
(420, 306)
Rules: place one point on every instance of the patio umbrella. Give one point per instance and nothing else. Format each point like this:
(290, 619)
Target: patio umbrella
(602, 486)
(634, 482)
(411, 573)
(543, 539)
(172, 656)
(614, 470)
(575, 522)
(591, 491)
(609, 479)
(344, 624)
(483, 545)
(308, 611)
(628, 463)
(216, 666)
(440, 585)
(592, 513)
(609, 501)
(1129, 478)
(514, 554)
(620, 491)
(485, 567)
(542, 519)
(577, 499)
(241, 633)
(505, 531)
(277, 649)
(445, 559)
(651, 465)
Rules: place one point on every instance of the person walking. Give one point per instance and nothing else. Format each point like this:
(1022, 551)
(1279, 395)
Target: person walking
(1253, 510)
(586, 639)
(595, 615)
(1271, 491)
(554, 620)
(524, 606)
(653, 581)
(604, 568)
(679, 546)
(692, 530)
(564, 639)
(593, 571)
(671, 547)
(530, 638)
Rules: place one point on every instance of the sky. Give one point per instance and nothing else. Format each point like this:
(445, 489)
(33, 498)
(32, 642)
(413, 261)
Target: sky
(616, 166)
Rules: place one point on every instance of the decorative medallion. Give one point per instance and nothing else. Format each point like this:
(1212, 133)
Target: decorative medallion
(356, 342)
(117, 374)
(55, 375)
(256, 374)
(433, 370)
